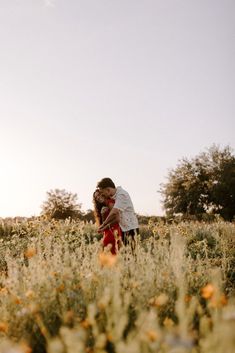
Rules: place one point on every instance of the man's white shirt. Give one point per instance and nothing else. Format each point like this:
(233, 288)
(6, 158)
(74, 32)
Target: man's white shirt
(123, 203)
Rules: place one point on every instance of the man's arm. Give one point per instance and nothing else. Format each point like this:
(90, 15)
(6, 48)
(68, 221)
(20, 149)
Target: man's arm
(112, 218)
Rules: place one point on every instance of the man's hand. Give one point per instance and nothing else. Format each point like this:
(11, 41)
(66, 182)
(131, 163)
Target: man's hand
(112, 218)
(102, 228)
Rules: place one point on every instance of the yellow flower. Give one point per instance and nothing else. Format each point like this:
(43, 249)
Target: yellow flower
(107, 260)
(115, 233)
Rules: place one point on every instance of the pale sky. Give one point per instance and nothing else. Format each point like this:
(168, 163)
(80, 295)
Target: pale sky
(110, 88)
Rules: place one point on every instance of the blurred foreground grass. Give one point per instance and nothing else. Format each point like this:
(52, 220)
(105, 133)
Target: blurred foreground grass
(60, 294)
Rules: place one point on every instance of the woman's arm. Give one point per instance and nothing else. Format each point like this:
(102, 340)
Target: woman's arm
(113, 217)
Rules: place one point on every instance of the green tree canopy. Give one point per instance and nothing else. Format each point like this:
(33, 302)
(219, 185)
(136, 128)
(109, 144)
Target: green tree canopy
(61, 204)
(204, 184)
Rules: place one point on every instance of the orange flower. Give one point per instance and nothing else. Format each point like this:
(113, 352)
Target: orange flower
(218, 302)
(85, 324)
(3, 327)
(30, 294)
(208, 291)
(161, 300)
(89, 350)
(110, 337)
(168, 322)
(187, 298)
(152, 335)
(4, 291)
(223, 300)
(135, 284)
(165, 274)
(17, 300)
(66, 276)
(101, 305)
(34, 308)
(54, 274)
(30, 252)
(107, 260)
(25, 347)
(61, 288)
(68, 316)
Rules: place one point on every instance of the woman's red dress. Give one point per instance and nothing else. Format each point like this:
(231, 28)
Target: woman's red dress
(113, 234)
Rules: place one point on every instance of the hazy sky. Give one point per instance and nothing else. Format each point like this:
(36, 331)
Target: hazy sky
(118, 88)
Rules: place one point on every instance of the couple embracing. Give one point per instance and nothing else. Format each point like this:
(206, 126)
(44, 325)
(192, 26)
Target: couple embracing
(115, 215)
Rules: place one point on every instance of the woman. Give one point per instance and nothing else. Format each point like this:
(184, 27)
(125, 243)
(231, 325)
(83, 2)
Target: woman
(113, 235)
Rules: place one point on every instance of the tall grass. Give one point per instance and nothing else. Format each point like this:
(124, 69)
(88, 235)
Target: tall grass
(60, 294)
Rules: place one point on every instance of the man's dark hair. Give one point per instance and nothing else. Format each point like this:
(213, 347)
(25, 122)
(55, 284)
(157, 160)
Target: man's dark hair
(105, 183)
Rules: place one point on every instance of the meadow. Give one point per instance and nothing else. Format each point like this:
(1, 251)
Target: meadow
(59, 293)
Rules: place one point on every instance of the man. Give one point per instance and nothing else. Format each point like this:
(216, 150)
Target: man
(122, 211)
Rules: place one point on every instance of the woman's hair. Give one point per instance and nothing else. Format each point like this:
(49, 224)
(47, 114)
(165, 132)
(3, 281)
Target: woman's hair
(97, 209)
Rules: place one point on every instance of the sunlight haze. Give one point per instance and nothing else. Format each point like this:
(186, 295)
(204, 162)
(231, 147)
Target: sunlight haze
(121, 89)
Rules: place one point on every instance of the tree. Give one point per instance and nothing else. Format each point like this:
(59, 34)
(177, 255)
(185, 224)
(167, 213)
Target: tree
(88, 216)
(202, 185)
(61, 204)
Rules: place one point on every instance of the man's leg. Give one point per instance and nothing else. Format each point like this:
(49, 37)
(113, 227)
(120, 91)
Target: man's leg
(129, 236)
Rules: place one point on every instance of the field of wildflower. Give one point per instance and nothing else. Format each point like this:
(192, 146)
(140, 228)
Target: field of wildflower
(60, 293)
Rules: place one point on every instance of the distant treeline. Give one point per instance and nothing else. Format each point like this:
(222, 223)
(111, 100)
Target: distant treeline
(198, 189)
